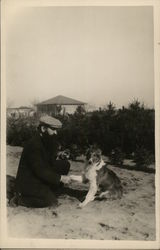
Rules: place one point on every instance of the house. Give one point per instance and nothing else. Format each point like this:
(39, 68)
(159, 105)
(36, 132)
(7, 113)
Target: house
(20, 112)
(59, 105)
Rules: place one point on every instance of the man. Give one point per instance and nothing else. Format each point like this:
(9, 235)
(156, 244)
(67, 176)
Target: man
(39, 174)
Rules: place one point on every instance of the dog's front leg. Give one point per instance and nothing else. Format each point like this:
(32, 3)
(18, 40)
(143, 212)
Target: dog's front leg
(90, 196)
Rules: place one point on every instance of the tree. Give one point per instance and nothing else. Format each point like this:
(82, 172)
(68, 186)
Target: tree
(80, 111)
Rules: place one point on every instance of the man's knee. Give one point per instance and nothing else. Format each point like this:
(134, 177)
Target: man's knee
(50, 200)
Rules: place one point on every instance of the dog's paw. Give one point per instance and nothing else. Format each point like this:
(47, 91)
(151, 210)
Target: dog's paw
(80, 205)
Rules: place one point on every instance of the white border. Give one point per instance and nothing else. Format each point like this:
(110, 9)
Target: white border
(93, 244)
(157, 111)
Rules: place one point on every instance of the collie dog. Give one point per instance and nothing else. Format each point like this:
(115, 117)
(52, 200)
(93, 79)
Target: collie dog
(103, 182)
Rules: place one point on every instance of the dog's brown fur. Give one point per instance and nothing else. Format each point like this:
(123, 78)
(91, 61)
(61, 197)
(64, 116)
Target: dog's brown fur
(104, 183)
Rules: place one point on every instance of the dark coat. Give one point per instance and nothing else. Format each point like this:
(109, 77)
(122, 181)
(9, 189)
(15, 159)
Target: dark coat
(37, 167)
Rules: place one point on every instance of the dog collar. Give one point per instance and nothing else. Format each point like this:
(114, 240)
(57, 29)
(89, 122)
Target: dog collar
(100, 165)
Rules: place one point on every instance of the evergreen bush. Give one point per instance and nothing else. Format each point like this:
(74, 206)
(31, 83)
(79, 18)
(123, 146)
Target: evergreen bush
(125, 130)
(142, 157)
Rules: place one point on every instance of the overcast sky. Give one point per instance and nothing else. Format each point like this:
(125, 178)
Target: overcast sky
(92, 54)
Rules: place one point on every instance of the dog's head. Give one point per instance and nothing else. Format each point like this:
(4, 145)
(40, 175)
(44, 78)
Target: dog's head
(93, 156)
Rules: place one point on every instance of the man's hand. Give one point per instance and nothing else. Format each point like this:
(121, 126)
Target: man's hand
(65, 179)
(63, 155)
(77, 178)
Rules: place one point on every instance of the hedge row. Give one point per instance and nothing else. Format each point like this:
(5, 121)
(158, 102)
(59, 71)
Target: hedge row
(129, 129)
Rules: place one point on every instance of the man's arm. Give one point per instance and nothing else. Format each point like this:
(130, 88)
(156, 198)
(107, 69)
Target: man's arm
(41, 168)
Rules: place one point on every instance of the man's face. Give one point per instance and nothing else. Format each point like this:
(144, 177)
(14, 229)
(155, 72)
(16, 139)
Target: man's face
(51, 131)
(48, 131)
(48, 137)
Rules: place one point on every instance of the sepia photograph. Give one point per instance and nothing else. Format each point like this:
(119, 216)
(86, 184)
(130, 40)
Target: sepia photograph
(79, 138)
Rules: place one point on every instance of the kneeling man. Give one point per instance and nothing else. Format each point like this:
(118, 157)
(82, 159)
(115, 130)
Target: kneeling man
(39, 174)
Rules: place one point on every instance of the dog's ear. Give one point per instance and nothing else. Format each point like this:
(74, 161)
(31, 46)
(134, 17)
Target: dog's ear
(67, 151)
(99, 151)
(88, 150)
(95, 147)
(91, 148)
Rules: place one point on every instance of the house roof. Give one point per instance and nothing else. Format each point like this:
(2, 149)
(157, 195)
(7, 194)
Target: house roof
(61, 100)
(22, 107)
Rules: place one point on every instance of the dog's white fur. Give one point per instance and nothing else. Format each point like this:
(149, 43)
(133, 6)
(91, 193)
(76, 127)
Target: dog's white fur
(103, 182)
(91, 175)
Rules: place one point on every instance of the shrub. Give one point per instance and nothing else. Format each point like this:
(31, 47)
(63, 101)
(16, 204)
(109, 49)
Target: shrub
(116, 156)
(120, 130)
(19, 130)
(75, 151)
(142, 157)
